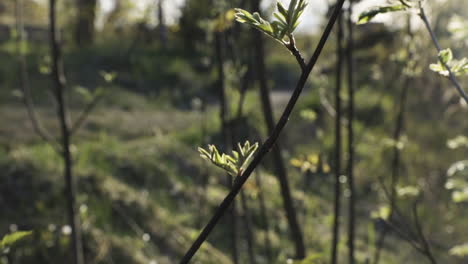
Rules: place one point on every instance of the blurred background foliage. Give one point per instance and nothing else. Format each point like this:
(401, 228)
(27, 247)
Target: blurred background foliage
(143, 191)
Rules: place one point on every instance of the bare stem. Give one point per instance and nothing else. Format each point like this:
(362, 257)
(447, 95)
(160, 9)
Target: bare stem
(291, 46)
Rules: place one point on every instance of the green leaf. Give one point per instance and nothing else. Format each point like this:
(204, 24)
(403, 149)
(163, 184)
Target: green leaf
(108, 77)
(254, 20)
(282, 10)
(407, 191)
(458, 142)
(458, 167)
(297, 14)
(382, 212)
(439, 68)
(460, 196)
(460, 67)
(83, 92)
(455, 184)
(291, 9)
(10, 239)
(366, 16)
(446, 56)
(459, 250)
(309, 115)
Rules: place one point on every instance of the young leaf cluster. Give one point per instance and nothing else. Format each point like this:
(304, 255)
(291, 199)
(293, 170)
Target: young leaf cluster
(458, 67)
(285, 24)
(457, 181)
(234, 164)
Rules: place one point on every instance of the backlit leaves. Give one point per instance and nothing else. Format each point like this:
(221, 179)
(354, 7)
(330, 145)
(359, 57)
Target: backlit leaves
(407, 191)
(382, 212)
(458, 142)
(108, 77)
(285, 24)
(458, 167)
(458, 67)
(234, 164)
(459, 251)
(311, 163)
(366, 16)
(457, 181)
(446, 56)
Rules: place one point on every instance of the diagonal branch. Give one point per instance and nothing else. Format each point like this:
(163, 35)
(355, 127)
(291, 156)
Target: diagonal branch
(451, 76)
(269, 143)
(85, 113)
(422, 237)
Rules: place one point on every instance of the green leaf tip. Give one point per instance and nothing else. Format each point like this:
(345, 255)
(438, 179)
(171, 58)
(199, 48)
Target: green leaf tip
(10, 239)
(234, 164)
(446, 56)
(368, 15)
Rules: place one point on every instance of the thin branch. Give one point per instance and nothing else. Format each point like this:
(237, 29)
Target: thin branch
(24, 81)
(422, 237)
(406, 238)
(269, 143)
(245, 82)
(399, 129)
(326, 103)
(351, 151)
(451, 76)
(263, 214)
(85, 113)
(337, 145)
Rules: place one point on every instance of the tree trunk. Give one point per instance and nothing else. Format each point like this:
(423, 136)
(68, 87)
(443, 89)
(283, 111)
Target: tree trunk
(86, 15)
(226, 137)
(296, 233)
(248, 228)
(399, 128)
(337, 203)
(350, 166)
(162, 30)
(59, 89)
(263, 214)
